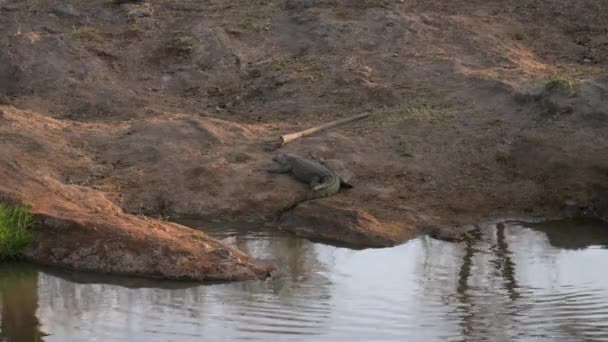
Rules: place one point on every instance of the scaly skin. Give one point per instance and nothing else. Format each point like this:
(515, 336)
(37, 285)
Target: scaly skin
(323, 181)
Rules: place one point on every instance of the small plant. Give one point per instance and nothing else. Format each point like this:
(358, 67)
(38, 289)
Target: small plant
(182, 44)
(403, 148)
(199, 236)
(520, 4)
(15, 222)
(557, 82)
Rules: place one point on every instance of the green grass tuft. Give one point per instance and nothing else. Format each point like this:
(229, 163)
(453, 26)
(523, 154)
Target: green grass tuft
(559, 82)
(15, 222)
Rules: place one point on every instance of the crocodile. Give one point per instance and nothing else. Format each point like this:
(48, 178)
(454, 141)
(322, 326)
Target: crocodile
(323, 182)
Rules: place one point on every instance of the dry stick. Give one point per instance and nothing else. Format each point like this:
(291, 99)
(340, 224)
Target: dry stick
(293, 136)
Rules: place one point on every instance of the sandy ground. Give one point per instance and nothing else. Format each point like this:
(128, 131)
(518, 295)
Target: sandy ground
(164, 109)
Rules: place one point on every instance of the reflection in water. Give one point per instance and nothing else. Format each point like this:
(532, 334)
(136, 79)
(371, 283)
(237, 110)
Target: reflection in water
(504, 263)
(471, 311)
(19, 293)
(467, 307)
(511, 284)
(574, 234)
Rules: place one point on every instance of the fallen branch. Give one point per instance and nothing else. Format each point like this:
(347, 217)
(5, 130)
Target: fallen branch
(293, 136)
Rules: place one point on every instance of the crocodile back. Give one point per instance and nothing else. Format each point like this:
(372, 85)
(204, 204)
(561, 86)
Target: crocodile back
(305, 170)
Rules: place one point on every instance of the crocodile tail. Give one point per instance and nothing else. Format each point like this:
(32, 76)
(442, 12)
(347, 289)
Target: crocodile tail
(294, 204)
(313, 194)
(344, 184)
(308, 196)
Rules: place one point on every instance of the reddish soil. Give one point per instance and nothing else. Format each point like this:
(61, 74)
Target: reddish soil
(481, 109)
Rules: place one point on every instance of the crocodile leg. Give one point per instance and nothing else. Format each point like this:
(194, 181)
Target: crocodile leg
(319, 160)
(283, 169)
(321, 185)
(315, 182)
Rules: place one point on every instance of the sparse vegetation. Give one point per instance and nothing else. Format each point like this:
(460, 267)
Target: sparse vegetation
(303, 68)
(87, 34)
(558, 82)
(139, 10)
(278, 63)
(601, 9)
(420, 109)
(15, 222)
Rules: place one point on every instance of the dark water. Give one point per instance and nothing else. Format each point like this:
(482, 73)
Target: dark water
(544, 283)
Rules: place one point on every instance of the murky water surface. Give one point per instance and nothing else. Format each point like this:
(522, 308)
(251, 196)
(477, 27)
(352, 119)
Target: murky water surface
(543, 282)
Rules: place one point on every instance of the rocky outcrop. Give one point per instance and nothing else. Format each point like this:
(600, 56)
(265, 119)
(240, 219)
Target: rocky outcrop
(123, 244)
(77, 227)
(322, 221)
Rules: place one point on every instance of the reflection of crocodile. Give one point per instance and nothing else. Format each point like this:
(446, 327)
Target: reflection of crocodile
(322, 180)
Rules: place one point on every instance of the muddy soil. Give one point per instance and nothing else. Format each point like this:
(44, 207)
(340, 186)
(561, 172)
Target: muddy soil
(165, 109)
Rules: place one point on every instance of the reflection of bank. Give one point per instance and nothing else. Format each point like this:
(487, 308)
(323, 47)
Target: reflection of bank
(462, 290)
(111, 308)
(486, 296)
(500, 257)
(296, 299)
(504, 264)
(19, 293)
(573, 234)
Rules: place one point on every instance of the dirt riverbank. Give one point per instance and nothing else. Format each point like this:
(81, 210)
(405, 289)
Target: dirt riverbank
(114, 116)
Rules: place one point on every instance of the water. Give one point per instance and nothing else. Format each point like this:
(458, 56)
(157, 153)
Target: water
(543, 283)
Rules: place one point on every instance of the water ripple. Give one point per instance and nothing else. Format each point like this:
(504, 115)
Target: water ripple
(517, 284)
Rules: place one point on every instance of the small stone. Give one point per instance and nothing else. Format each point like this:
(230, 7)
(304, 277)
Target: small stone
(64, 11)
